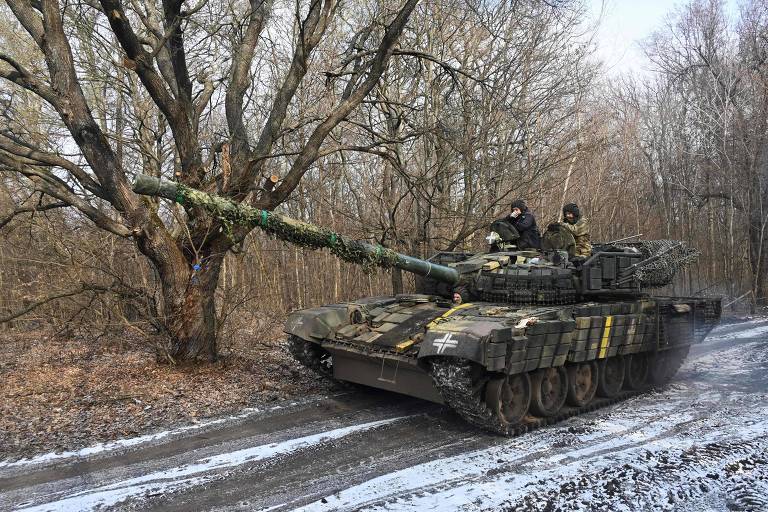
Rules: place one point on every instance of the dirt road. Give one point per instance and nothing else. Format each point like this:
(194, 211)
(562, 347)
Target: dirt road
(700, 444)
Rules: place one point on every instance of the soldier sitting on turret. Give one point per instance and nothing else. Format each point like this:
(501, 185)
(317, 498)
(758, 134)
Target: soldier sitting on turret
(522, 222)
(579, 228)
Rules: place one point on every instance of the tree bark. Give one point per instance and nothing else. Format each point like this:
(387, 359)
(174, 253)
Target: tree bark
(192, 321)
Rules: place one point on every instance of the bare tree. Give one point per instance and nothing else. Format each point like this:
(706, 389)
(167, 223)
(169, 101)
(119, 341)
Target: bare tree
(94, 53)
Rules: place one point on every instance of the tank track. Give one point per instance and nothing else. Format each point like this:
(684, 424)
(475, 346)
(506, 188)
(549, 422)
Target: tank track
(680, 359)
(453, 378)
(680, 355)
(309, 355)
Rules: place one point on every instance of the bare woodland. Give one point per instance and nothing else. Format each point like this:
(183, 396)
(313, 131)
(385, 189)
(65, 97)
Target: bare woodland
(412, 124)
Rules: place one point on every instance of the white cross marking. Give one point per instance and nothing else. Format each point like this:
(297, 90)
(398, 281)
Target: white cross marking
(446, 341)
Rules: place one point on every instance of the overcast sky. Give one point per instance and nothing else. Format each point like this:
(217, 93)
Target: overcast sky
(627, 22)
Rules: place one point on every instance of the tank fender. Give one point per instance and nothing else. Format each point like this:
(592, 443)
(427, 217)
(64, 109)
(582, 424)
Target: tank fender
(321, 323)
(318, 323)
(488, 350)
(452, 344)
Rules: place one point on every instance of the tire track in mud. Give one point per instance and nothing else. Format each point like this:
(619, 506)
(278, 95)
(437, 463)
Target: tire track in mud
(308, 474)
(304, 476)
(494, 469)
(273, 421)
(706, 477)
(62, 478)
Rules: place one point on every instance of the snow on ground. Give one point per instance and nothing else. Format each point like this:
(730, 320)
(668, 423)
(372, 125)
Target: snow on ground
(140, 441)
(188, 475)
(698, 445)
(755, 332)
(99, 448)
(640, 455)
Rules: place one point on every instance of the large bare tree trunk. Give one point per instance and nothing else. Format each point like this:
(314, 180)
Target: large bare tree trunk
(192, 315)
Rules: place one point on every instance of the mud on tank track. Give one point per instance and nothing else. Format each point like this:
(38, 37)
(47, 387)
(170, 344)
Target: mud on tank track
(454, 381)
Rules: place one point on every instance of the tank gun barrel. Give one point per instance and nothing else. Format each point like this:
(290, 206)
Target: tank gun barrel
(292, 230)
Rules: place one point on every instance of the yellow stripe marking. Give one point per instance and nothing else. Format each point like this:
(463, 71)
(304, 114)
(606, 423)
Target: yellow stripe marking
(448, 313)
(404, 345)
(606, 337)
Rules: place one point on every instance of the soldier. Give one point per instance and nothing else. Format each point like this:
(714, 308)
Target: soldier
(523, 220)
(460, 294)
(578, 226)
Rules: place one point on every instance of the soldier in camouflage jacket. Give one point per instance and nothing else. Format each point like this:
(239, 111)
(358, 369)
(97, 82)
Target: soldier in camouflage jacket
(578, 226)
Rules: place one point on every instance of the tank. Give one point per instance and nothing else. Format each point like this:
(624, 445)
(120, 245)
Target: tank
(538, 335)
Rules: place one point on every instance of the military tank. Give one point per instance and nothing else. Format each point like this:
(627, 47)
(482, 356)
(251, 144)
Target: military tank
(538, 336)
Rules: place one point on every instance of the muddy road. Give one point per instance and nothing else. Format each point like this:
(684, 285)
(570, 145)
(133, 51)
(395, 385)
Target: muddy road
(700, 444)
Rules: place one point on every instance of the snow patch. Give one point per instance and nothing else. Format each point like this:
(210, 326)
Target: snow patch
(99, 448)
(172, 479)
(122, 443)
(755, 332)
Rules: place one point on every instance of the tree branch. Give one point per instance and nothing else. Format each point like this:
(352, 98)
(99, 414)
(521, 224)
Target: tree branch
(140, 59)
(239, 81)
(172, 18)
(29, 19)
(311, 31)
(31, 209)
(426, 56)
(37, 156)
(82, 289)
(179, 112)
(23, 78)
(47, 182)
(312, 147)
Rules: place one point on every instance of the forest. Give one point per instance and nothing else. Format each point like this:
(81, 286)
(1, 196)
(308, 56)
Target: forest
(409, 124)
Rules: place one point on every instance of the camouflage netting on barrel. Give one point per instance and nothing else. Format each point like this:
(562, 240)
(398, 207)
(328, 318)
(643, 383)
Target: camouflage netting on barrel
(231, 214)
(665, 259)
(289, 230)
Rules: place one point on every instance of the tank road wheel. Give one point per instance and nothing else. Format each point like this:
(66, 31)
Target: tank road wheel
(638, 371)
(582, 383)
(508, 397)
(666, 364)
(611, 376)
(549, 388)
(311, 355)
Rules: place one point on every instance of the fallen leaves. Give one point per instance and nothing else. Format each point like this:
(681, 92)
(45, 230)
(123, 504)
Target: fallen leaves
(66, 394)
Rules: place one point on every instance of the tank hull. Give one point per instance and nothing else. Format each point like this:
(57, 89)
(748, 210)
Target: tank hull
(394, 343)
